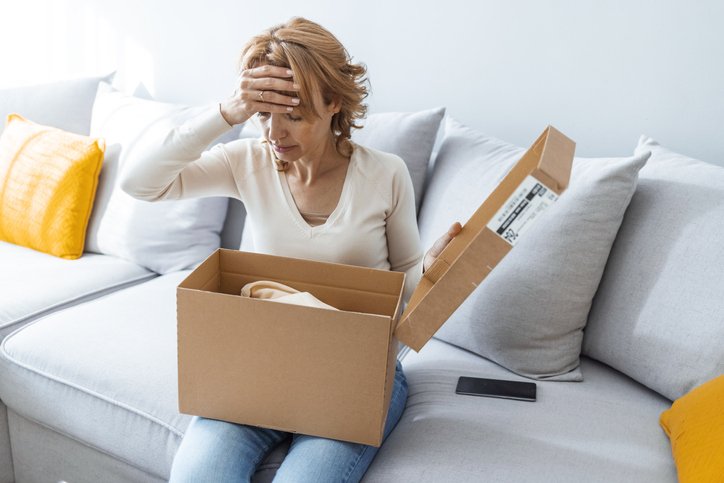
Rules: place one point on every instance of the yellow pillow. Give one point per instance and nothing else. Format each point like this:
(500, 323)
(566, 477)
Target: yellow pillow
(695, 426)
(48, 180)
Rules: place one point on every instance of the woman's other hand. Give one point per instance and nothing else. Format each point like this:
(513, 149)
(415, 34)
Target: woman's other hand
(257, 90)
(440, 245)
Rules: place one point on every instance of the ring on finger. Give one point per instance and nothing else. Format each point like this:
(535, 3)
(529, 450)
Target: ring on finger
(261, 96)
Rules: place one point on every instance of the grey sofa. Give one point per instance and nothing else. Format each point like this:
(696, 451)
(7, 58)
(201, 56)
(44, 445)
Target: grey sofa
(88, 364)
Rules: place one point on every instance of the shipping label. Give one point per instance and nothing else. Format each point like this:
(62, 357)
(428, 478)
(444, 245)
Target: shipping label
(521, 209)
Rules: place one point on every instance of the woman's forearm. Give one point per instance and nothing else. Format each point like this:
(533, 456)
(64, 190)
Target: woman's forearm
(168, 167)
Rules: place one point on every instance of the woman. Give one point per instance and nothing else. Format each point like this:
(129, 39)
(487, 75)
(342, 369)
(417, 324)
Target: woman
(310, 193)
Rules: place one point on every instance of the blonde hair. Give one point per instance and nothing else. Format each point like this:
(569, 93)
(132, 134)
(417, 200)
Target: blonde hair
(319, 61)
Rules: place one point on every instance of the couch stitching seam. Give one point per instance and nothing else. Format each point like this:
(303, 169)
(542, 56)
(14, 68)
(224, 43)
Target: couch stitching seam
(86, 297)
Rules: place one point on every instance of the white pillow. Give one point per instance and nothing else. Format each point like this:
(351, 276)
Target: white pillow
(163, 236)
(528, 315)
(658, 315)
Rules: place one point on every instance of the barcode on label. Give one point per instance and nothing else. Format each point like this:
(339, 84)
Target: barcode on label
(519, 211)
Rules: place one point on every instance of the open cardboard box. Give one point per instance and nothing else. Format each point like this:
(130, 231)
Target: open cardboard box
(328, 372)
(295, 368)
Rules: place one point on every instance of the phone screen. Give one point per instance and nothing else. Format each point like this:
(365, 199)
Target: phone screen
(476, 386)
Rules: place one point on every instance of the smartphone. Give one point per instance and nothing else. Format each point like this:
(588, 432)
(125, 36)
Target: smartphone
(476, 386)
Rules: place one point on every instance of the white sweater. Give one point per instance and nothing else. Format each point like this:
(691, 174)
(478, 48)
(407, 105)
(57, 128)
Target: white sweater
(373, 225)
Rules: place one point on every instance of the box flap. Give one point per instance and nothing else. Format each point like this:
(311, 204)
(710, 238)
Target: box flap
(475, 251)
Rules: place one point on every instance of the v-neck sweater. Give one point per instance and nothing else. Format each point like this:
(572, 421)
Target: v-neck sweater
(373, 225)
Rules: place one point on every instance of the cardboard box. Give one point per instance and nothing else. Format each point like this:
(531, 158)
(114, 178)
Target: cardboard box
(294, 368)
(330, 373)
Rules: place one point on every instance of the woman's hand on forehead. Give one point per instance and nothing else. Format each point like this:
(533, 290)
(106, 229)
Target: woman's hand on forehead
(259, 89)
(268, 78)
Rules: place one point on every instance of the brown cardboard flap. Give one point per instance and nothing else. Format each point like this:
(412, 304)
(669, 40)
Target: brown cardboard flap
(475, 251)
(556, 149)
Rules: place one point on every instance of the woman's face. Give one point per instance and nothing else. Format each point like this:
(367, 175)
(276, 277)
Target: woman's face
(293, 137)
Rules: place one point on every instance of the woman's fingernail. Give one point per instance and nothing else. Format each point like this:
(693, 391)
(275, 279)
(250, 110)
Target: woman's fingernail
(296, 86)
(295, 100)
(290, 109)
(289, 72)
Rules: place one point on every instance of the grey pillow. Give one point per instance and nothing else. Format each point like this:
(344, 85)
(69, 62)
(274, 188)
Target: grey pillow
(659, 312)
(528, 314)
(66, 104)
(410, 135)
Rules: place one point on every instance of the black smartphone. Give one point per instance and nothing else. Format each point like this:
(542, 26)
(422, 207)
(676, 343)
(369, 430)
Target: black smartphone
(477, 386)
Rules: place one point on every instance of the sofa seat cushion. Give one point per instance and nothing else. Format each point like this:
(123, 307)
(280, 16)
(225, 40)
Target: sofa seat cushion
(600, 430)
(104, 374)
(35, 283)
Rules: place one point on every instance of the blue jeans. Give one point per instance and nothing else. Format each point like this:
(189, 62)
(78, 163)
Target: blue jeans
(220, 451)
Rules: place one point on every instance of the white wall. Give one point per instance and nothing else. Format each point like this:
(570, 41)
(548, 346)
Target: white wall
(601, 71)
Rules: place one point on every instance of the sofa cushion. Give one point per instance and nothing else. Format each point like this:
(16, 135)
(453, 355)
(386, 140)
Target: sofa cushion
(658, 313)
(34, 283)
(601, 430)
(528, 314)
(48, 178)
(104, 373)
(165, 236)
(65, 104)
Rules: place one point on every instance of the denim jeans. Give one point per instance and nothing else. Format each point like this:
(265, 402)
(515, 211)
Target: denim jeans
(220, 451)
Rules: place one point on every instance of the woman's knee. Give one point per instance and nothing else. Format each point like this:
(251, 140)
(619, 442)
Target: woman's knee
(198, 449)
(215, 450)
